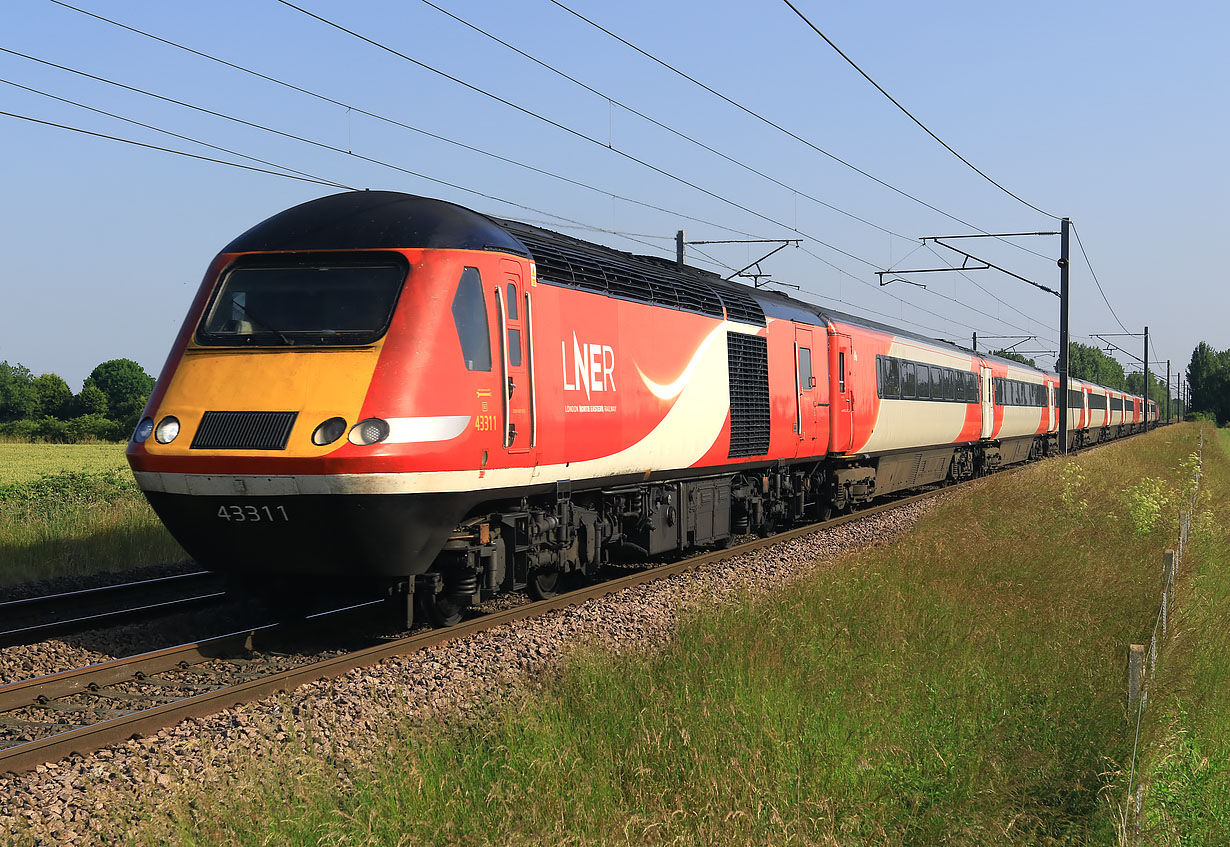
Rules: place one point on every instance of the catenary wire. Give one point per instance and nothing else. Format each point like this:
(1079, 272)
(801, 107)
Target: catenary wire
(979, 286)
(172, 150)
(574, 132)
(333, 148)
(368, 114)
(658, 123)
(432, 179)
(781, 128)
(1094, 273)
(312, 176)
(886, 293)
(908, 114)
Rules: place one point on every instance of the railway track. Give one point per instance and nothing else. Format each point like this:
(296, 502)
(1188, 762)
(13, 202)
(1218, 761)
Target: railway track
(36, 618)
(79, 711)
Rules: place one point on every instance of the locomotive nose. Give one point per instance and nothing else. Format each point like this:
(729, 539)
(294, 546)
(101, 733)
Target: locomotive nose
(283, 404)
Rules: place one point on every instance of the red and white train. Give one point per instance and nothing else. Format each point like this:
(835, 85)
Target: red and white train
(381, 386)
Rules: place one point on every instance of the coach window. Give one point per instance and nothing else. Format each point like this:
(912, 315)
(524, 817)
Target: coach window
(958, 386)
(470, 318)
(909, 384)
(924, 382)
(805, 376)
(892, 379)
(950, 390)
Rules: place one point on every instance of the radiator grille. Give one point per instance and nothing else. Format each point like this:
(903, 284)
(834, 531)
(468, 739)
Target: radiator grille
(748, 358)
(244, 431)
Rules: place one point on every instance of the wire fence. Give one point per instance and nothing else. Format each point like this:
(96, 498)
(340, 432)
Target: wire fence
(1142, 662)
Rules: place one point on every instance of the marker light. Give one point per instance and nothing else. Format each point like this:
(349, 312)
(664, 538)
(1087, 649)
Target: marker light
(370, 431)
(143, 430)
(329, 431)
(167, 429)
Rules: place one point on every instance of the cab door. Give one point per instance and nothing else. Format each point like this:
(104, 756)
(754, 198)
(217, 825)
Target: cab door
(841, 392)
(811, 396)
(512, 306)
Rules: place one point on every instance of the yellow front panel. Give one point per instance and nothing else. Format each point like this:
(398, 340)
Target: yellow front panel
(317, 383)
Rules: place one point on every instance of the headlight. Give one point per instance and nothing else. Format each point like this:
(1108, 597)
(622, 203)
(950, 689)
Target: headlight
(329, 431)
(167, 429)
(143, 430)
(370, 431)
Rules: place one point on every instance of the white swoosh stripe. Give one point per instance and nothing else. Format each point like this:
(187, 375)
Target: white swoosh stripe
(669, 392)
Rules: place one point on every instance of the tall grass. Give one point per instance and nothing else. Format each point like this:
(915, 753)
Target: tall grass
(76, 523)
(1185, 764)
(964, 686)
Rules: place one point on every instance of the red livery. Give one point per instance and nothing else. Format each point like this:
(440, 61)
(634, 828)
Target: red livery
(376, 385)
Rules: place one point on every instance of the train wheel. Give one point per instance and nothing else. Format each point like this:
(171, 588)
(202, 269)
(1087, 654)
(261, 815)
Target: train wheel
(543, 584)
(440, 611)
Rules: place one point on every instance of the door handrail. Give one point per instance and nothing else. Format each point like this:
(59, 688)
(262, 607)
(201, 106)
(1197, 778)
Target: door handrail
(529, 359)
(505, 376)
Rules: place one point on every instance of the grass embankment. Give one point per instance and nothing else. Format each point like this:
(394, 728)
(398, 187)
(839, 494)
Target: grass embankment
(963, 686)
(1185, 768)
(73, 509)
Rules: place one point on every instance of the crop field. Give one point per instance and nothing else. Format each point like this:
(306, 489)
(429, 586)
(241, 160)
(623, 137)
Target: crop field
(27, 462)
(74, 509)
(964, 685)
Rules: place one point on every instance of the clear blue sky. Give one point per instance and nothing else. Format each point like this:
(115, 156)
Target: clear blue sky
(1114, 114)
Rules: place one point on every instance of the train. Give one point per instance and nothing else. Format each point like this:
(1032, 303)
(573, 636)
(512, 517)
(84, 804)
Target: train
(391, 389)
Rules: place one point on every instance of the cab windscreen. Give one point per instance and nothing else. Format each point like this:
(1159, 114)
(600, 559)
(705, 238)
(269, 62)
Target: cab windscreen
(318, 300)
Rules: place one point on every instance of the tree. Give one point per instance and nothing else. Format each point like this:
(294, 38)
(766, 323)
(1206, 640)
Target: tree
(1208, 374)
(126, 386)
(91, 400)
(1092, 365)
(1015, 357)
(1157, 388)
(17, 397)
(53, 395)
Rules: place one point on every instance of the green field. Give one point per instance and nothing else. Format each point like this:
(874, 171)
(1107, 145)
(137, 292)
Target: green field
(963, 686)
(27, 462)
(74, 509)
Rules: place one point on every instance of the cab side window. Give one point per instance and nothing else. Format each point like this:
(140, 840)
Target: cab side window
(514, 335)
(470, 318)
(805, 368)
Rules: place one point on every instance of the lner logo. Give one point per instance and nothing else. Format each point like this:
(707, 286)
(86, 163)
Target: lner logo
(593, 367)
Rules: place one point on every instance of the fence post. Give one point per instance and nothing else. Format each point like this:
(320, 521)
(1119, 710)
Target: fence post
(1167, 587)
(1135, 673)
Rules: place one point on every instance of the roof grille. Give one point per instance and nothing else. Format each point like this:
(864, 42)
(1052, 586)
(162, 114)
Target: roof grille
(569, 261)
(244, 430)
(741, 307)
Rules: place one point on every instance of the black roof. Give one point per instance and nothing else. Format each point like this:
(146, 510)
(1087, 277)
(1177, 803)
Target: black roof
(372, 220)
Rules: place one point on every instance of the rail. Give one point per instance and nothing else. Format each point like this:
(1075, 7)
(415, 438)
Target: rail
(34, 618)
